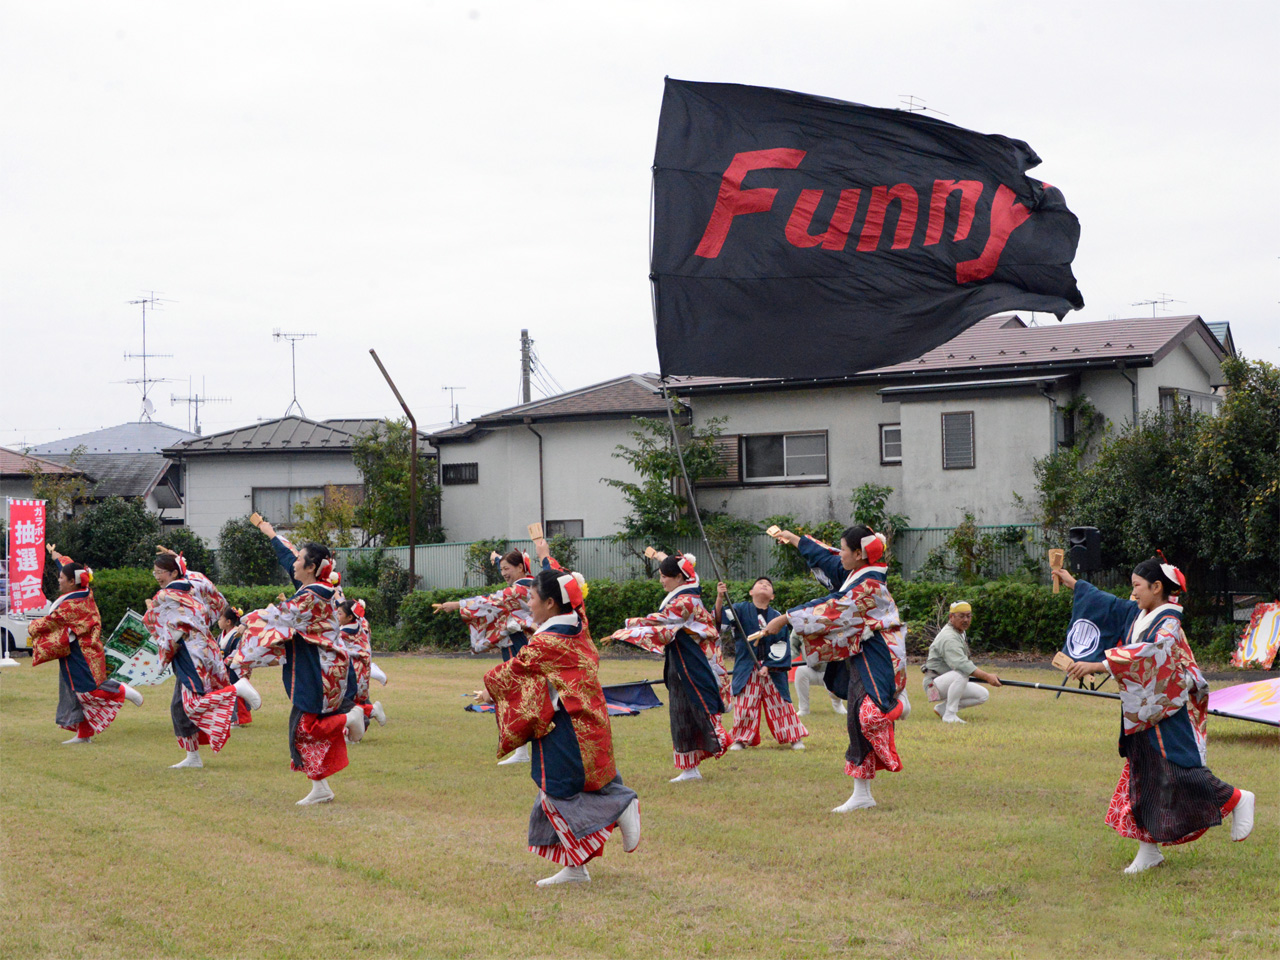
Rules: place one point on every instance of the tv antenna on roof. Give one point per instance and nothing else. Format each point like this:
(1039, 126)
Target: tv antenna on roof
(193, 402)
(913, 104)
(1162, 301)
(145, 382)
(453, 407)
(293, 339)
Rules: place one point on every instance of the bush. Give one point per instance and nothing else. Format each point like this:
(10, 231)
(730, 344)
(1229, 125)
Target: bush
(191, 545)
(106, 533)
(482, 570)
(363, 569)
(118, 591)
(564, 549)
(245, 556)
(253, 598)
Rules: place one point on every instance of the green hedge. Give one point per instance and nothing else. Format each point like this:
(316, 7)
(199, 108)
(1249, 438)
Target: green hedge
(1007, 615)
(118, 591)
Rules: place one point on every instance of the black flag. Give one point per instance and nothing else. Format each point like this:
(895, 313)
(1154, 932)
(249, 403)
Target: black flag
(797, 236)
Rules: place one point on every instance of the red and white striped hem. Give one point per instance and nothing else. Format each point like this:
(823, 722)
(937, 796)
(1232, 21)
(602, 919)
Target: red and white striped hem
(100, 707)
(571, 851)
(212, 713)
(781, 716)
(878, 729)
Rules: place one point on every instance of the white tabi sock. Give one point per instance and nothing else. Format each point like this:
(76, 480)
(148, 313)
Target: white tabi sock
(861, 798)
(736, 746)
(1149, 856)
(245, 691)
(132, 695)
(838, 706)
(692, 774)
(321, 792)
(192, 760)
(376, 673)
(75, 740)
(379, 714)
(519, 755)
(629, 824)
(798, 745)
(1242, 816)
(906, 705)
(567, 875)
(355, 724)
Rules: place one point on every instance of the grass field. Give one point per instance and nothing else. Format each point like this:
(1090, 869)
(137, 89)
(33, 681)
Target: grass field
(989, 843)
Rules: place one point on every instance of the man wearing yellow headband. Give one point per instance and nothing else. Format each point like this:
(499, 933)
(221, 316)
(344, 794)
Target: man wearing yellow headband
(948, 668)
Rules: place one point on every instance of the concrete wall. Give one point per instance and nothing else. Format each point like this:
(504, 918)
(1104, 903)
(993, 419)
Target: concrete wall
(850, 415)
(220, 487)
(1009, 432)
(505, 501)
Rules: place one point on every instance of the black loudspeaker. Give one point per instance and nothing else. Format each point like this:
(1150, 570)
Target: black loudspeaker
(1084, 548)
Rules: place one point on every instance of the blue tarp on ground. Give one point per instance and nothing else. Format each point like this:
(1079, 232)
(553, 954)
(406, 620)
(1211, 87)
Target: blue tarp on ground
(624, 699)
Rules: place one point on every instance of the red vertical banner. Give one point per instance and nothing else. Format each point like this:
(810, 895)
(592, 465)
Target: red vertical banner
(26, 555)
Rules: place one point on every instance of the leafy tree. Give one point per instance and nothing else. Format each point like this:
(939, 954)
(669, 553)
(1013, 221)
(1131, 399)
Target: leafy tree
(329, 519)
(186, 542)
(659, 507)
(565, 550)
(1204, 489)
(105, 534)
(383, 458)
(245, 557)
(480, 568)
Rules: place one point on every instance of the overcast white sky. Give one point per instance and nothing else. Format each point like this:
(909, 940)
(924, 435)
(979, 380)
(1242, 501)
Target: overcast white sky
(428, 178)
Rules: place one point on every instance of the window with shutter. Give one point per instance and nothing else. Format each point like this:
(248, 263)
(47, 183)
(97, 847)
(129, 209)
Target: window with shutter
(957, 441)
(727, 448)
(453, 474)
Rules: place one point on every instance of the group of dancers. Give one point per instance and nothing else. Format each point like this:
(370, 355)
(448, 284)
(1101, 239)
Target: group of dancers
(319, 638)
(550, 706)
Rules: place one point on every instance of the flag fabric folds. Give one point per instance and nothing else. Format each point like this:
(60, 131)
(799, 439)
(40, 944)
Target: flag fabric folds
(622, 699)
(1258, 701)
(799, 236)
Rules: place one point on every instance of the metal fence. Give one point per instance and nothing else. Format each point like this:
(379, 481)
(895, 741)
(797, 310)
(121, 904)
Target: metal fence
(1010, 550)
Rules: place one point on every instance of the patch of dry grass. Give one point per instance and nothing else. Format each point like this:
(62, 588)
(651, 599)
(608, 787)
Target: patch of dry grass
(989, 843)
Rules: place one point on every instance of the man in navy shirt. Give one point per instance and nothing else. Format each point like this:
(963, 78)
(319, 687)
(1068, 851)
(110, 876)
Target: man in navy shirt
(759, 670)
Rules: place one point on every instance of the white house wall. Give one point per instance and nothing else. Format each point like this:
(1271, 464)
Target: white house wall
(220, 487)
(576, 455)
(1010, 432)
(850, 415)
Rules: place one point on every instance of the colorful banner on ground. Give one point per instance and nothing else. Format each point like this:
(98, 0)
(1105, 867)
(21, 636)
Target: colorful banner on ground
(26, 555)
(1258, 701)
(132, 656)
(800, 236)
(622, 699)
(1261, 638)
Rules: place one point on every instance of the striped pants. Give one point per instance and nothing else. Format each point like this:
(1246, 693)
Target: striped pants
(784, 724)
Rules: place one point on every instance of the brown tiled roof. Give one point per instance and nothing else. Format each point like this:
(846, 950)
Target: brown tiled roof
(15, 464)
(637, 394)
(1004, 344)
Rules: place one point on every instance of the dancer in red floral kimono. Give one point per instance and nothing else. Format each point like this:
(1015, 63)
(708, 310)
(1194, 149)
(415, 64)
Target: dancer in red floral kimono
(502, 619)
(71, 633)
(355, 633)
(685, 633)
(179, 617)
(1166, 794)
(858, 627)
(549, 696)
(301, 634)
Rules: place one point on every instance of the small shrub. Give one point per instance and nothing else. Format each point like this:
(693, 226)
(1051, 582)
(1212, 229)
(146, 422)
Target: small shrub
(480, 569)
(245, 556)
(565, 550)
(191, 545)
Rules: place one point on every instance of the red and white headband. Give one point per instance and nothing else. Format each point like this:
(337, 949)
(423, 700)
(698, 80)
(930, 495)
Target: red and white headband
(873, 546)
(324, 571)
(688, 563)
(84, 577)
(357, 609)
(570, 590)
(182, 565)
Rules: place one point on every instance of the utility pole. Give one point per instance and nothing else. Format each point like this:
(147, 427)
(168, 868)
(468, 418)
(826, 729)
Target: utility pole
(193, 402)
(413, 473)
(293, 339)
(526, 366)
(145, 383)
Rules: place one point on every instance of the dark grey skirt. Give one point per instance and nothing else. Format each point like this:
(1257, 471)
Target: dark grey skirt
(585, 812)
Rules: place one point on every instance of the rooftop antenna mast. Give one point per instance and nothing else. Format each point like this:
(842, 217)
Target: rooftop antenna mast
(1162, 301)
(193, 402)
(148, 408)
(453, 407)
(913, 104)
(293, 339)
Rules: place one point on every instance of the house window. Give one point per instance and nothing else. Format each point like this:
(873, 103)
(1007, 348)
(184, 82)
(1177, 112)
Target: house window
(277, 504)
(452, 474)
(783, 457)
(564, 528)
(1189, 400)
(890, 443)
(957, 441)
